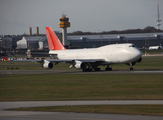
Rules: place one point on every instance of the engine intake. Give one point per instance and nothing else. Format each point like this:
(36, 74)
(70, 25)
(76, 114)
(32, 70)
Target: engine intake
(79, 65)
(47, 65)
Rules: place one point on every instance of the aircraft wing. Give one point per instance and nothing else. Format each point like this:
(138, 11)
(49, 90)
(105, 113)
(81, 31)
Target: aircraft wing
(47, 63)
(73, 60)
(57, 60)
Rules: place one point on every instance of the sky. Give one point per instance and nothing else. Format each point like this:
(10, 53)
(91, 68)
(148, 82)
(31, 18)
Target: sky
(16, 16)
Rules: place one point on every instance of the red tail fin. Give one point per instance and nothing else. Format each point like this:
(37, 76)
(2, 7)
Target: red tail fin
(5, 58)
(53, 41)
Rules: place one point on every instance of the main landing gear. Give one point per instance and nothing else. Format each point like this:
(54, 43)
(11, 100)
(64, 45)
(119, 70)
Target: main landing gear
(91, 69)
(108, 68)
(96, 68)
(88, 69)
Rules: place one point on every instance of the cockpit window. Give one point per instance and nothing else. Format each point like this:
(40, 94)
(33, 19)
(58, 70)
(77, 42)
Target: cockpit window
(132, 46)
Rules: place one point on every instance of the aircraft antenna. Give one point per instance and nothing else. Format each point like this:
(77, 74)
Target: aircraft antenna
(158, 17)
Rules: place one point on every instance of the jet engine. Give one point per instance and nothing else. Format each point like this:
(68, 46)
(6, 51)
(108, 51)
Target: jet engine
(47, 65)
(79, 65)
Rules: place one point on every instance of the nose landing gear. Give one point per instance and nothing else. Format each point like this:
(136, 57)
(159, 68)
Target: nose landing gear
(131, 68)
(131, 65)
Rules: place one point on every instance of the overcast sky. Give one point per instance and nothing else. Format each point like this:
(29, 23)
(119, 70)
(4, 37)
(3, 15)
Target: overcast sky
(16, 16)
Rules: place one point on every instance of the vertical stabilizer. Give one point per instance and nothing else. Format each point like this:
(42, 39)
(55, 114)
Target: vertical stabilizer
(53, 41)
(4, 58)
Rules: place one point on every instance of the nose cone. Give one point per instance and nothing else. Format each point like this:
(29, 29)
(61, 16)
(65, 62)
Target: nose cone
(136, 54)
(139, 53)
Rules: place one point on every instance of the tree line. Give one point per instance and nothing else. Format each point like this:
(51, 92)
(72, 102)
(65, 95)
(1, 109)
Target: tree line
(147, 29)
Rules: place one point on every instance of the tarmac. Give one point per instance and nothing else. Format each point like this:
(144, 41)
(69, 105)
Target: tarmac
(33, 115)
(147, 71)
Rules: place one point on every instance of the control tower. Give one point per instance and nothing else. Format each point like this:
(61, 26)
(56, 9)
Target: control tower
(64, 24)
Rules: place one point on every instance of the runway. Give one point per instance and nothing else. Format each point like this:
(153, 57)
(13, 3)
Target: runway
(7, 115)
(24, 115)
(146, 71)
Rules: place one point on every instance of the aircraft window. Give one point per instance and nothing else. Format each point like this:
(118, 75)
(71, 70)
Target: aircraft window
(132, 46)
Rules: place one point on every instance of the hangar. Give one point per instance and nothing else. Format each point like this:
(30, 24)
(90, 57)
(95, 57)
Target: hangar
(34, 42)
(28, 42)
(140, 40)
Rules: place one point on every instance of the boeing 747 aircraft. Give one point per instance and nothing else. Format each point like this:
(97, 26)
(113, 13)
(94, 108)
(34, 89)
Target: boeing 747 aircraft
(91, 58)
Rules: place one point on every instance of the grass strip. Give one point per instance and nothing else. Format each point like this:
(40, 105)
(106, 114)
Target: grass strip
(107, 109)
(81, 87)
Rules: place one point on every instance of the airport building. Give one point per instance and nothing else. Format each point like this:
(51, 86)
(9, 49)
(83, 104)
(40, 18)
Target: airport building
(34, 44)
(20, 44)
(140, 40)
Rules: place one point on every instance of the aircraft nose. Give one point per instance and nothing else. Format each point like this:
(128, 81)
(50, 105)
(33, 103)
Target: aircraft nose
(135, 54)
(139, 53)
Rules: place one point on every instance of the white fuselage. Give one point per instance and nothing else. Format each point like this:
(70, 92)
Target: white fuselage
(155, 47)
(112, 54)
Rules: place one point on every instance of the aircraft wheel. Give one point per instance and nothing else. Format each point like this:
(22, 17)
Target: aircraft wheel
(97, 69)
(108, 69)
(87, 70)
(131, 68)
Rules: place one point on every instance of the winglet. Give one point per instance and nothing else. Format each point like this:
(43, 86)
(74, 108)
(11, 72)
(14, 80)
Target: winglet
(53, 41)
(5, 58)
